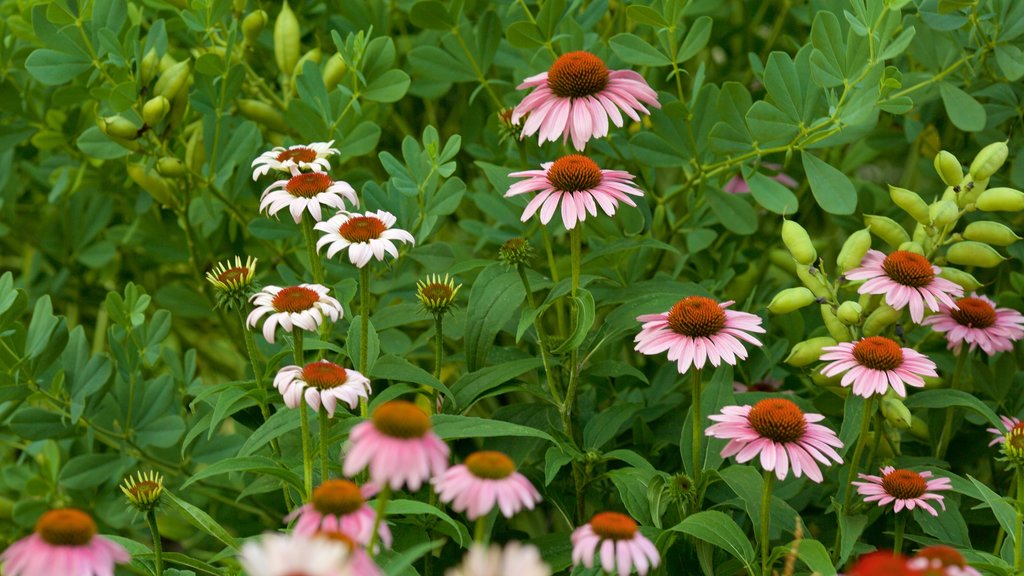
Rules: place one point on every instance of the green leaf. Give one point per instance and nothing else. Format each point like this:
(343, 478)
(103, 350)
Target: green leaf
(200, 519)
(646, 15)
(783, 84)
(770, 126)
(451, 427)
(696, 39)
(473, 385)
(634, 50)
(1003, 510)
(414, 507)
(748, 484)
(90, 470)
(815, 556)
(42, 325)
(432, 15)
(772, 194)
(1011, 61)
(946, 398)
(495, 296)
(352, 344)
(964, 111)
(163, 432)
(606, 424)
(185, 560)
(279, 424)
(829, 54)
(251, 464)
(33, 423)
(832, 189)
(733, 211)
(398, 564)
(720, 530)
(98, 145)
(54, 68)
(391, 367)
(524, 34)
(584, 314)
(388, 87)
(359, 141)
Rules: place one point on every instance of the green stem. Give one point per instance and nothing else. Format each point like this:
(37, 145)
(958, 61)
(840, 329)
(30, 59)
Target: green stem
(766, 506)
(307, 459)
(314, 258)
(364, 328)
(438, 357)
(901, 523)
(325, 435)
(480, 531)
(382, 502)
(158, 552)
(553, 269)
(541, 336)
(1018, 541)
(865, 424)
(569, 403)
(947, 426)
(698, 431)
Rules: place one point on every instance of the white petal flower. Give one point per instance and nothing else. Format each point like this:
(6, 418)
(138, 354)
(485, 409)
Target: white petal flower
(285, 555)
(303, 306)
(307, 192)
(366, 236)
(321, 382)
(295, 158)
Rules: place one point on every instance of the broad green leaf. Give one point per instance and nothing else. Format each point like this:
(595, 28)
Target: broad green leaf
(42, 326)
(90, 470)
(605, 425)
(200, 519)
(783, 84)
(832, 189)
(583, 308)
(770, 126)
(414, 507)
(964, 111)
(451, 427)
(748, 483)
(772, 194)
(279, 424)
(696, 39)
(733, 211)
(1011, 61)
(431, 14)
(1003, 510)
(54, 68)
(634, 50)
(719, 529)
(646, 15)
(495, 296)
(815, 556)
(388, 87)
(395, 368)
(524, 34)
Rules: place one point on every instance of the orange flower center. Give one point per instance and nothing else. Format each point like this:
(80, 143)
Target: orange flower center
(574, 173)
(904, 484)
(145, 489)
(878, 353)
(309, 184)
(362, 229)
(696, 316)
(778, 419)
(490, 465)
(297, 155)
(337, 537)
(324, 375)
(66, 527)
(974, 313)
(1015, 438)
(295, 299)
(945, 554)
(577, 74)
(233, 275)
(436, 291)
(908, 268)
(613, 526)
(337, 497)
(401, 419)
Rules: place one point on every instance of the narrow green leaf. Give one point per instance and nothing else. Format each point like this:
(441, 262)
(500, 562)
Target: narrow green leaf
(696, 39)
(946, 398)
(414, 507)
(719, 529)
(200, 519)
(583, 314)
(451, 427)
(251, 464)
(605, 425)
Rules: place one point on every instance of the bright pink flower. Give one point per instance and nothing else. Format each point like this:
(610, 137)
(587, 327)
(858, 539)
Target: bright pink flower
(906, 279)
(304, 306)
(64, 542)
(876, 363)
(577, 96)
(578, 184)
(698, 330)
(340, 506)
(484, 480)
(306, 192)
(977, 321)
(778, 431)
(941, 560)
(737, 185)
(1009, 423)
(620, 545)
(398, 446)
(908, 489)
(321, 382)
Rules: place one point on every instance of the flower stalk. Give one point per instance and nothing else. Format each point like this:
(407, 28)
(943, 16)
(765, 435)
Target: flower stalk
(307, 459)
(364, 329)
(766, 506)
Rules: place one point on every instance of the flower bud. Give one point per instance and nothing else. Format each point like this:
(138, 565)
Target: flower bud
(798, 243)
(808, 351)
(148, 67)
(173, 80)
(812, 281)
(943, 213)
(970, 253)
(790, 299)
(335, 70)
(882, 317)
(264, 113)
(912, 247)
(154, 110)
(437, 294)
(949, 168)
(156, 186)
(286, 39)
(895, 413)
(992, 233)
(919, 428)
(966, 281)
(144, 491)
(170, 166)
(988, 160)
(835, 328)
(253, 24)
(853, 250)
(515, 251)
(119, 127)
(1001, 200)
(849, 313)
(910, 202)
(887, 229)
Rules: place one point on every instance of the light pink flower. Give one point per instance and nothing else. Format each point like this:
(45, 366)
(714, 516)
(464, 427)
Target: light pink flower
(780, 433)
(906, 279)
(290, 554)
(737, 185)
(698, 330)
(486, 479)
(939, 560)
(906, 488)
(620, 545)
(578, 184)
(1009, 423)
(64, 542)
(577, 96)
(306, 192)
(978, 322)
(514, 559)
(339, 505)
(398, 446)
(875, 364)
(321, 382)
(366, 236)
(304, 306)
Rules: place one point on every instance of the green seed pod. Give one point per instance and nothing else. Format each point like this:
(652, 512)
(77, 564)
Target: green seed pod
(263, 113)
(152, 183)
(173, 80)
(919, 428)
(912, 247)
(944, 213)
(966, 281)
(895, 413)
(335, 70)
(853, 250)
(195, 152)
(989, 160)
(970, 253)
(314, 55)
(798, 243)
(155, 109)
(119, 127)
(835, 328)
(743, 284)
(148, 67)
(948, 168)
(820, 379)
(969, 193)
(812, 281)
(790, 299)
(887, 229)
(253, 24)
(782, 259)
(1001, 200)
(286, 39)
(849, 313)
(910, 202)
(882, 317)
(808, 351)
(992, 233)
(170, 166)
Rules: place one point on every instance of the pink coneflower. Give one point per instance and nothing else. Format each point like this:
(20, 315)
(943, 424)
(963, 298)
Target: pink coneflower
(366, 236)
(514, 559)
(1009, 423)
(876, 363)
(737, 185)
(778, 431)
(621, 546)
(486, 478)
(64, 542)
(908, 489)
(941, 560)
(340, 506)
(295, 158)
(359, 562)
(398, 446)
(304, 306)
(906, 279)
(306, 192)
(698, 330)
(977, 321)
(321, 382)
(577, 96)
(576, 182)
(288, 555)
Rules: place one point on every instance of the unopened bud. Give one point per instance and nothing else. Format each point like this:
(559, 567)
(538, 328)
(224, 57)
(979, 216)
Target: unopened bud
(963, 279)
(173, 80)
(853, 250)
(798, 243)
(264, 113)
(120, 127)
(948, 168)
(791, 299)
(334, 71)
(895, 413)
(154, 110)
(148, 67)
(943, 213)
(1001, 200)
(887, 229)
(286, 39)
(919, 428)
(170, 166)
(808, 351)
(990, 159)
(910, 202)
(253, 24)
(880, 319)
(969, 253)
(849, 313)
(992, 233)
(152, 183)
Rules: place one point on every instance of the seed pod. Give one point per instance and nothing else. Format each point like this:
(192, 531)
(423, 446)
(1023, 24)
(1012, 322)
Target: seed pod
(970, 253)
(883, 317)
(943, 213)
(286, 39)
(948, 168)
(152, 183)
(919, 428)
(173, 80)
(887, 229)
(812, 281)
(313, 55)
(853, 250)
(195, 152)
(1001, 200)
(910, 202)
(119, 127)
(895, 413)
(820, 379)
(743, 284)
(835, 328)
(170, 166)
(798, 243)
(849, 313)
(969, 193)
(992, 233)
(782, 259)
(791, 299)
(154, 110)
(808, 351)
(966, 281)
(253, 24)
(988, 160)
(912, 247)
(148, 67)
(263, 113)
(335, 70)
